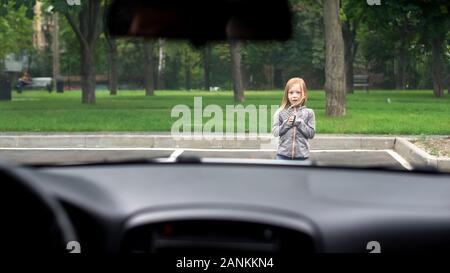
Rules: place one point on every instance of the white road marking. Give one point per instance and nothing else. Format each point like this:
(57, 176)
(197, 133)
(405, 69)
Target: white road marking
(175, 154)
(400, 160)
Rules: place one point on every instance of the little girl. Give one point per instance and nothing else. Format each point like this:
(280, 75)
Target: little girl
(293, 122)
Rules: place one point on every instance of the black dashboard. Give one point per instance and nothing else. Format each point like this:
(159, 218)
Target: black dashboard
(261, 208)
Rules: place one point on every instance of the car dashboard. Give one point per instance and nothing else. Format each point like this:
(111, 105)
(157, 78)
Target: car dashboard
(253, 208)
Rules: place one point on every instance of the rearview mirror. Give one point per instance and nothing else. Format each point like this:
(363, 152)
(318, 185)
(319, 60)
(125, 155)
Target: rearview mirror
(201, 20)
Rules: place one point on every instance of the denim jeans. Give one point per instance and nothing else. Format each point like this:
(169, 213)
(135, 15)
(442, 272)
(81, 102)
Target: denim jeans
(282, 157)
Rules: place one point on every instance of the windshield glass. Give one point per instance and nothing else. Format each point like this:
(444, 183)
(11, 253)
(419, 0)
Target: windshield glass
(358, 84)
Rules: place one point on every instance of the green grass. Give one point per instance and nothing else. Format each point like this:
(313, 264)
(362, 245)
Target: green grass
(410, 112)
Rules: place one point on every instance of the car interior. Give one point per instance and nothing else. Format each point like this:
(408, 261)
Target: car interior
(207, 206)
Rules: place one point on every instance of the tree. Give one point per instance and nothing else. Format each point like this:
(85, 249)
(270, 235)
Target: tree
(349, 32)
(269, 65)
(435, 22)
(86, 22)
(334, 60)
(55, 50)
(219, 66)
(161, 64)
(15, 27)
(206, 57)
(353, 14)
(414, 26)
(187, 68)
(390, 30)
(447, 62)
(189, 60)
(112, 59)
(236, 71)
(149, 65)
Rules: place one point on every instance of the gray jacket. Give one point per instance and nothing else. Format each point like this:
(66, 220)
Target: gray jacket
(304, 128)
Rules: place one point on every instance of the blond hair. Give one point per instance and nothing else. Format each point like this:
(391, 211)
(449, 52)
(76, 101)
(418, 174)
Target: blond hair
(285, 101)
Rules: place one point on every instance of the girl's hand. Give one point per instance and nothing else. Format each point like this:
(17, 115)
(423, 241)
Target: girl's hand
(291, 119)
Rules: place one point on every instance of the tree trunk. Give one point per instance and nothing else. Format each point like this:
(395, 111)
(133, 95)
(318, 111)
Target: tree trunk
(187, 70)
(350, 45)
(349, 75)
(206, 67)
(112, 54)
(87, 75)
(271, 76)
(87, 31)
(148, 68)
(55, 50)
(400, 70)
(448, 83)
(278, 78)
(112, 59)
(437, 56)
(161, 64)
(236, 71)
(448, 79)
(334, 60)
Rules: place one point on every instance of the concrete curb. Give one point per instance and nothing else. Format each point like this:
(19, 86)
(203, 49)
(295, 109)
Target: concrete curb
(418, 157)
(352, 143)
(263, 141)
(415, 156)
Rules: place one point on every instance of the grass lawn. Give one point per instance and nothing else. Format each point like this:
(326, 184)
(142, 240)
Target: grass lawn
(410, 112)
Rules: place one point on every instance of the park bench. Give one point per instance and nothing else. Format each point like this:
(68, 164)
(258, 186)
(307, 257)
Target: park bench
(42, 83)
(361, 81)
(38, 83)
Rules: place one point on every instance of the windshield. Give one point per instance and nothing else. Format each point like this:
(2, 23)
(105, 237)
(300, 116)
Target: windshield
(358, 84)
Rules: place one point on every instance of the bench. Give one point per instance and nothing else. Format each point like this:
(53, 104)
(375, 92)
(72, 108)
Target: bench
(361, 81)
(37, 83)
(42, 83)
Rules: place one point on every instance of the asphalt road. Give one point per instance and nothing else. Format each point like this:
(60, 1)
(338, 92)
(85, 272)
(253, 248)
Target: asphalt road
(356, 158)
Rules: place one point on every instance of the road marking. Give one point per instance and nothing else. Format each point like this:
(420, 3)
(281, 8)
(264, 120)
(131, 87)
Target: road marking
(400, 160)
(175, 154)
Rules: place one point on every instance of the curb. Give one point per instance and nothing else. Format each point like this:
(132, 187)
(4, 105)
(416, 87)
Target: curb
(263, 141)
(418, 158)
